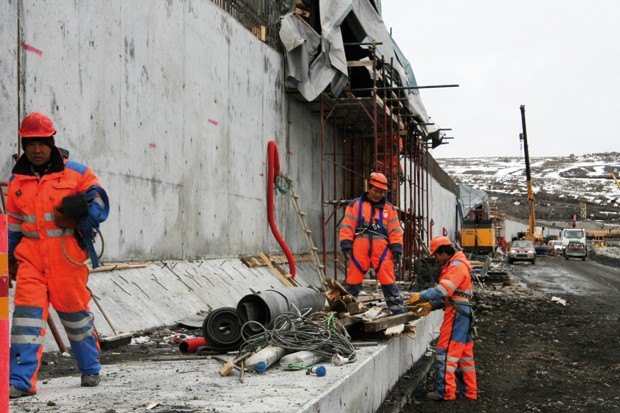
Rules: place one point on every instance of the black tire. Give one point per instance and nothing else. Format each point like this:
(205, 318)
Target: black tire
(566, 256)
(510, 261)
(583, 259)
(534, 261)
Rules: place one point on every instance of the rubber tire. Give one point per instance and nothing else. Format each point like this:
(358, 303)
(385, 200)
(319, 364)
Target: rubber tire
(583, 259)
(534, 261)
(510, 261)
(566, 256)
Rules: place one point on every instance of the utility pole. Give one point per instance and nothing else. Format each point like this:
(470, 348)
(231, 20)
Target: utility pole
(530, 192)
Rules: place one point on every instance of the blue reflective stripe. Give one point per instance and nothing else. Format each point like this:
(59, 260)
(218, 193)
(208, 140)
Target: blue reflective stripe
(78, 316)
(11, 178)
(25, 311)
(455, 263)
(76, 166)
(25, 331)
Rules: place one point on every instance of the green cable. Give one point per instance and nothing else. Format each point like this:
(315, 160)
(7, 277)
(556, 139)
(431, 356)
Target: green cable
(283, 187)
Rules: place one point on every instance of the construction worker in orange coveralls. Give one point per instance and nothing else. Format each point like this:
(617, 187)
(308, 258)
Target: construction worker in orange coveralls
(45, 255)
(454, 359)
(371, 236)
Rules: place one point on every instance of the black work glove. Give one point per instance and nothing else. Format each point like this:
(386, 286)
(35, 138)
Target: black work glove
(397, 261)
(347, 253)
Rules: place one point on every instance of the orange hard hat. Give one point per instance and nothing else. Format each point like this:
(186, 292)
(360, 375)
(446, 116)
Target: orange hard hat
(438, 242)
(379, 180)
(37, 125)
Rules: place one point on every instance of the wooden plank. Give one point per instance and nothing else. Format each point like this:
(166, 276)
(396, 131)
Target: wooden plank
(286, 281)
(359, 63)
(386, 322)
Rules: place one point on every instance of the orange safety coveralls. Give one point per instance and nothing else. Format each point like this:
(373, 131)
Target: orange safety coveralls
(374, 231)
(455, 348)
(45, 275)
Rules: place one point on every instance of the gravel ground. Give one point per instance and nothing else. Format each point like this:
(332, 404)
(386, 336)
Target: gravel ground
(534, 355)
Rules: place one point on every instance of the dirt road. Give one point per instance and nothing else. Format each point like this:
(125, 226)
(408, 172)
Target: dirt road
(534, 355)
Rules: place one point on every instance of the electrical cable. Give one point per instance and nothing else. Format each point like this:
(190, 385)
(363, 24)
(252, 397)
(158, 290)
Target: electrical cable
(296, 332)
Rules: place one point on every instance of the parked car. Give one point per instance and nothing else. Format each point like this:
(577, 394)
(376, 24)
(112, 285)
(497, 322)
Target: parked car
(576, 249)
(556, 244)
(522, 251)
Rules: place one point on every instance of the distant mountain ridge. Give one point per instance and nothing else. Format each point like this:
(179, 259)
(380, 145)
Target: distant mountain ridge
(562, 185)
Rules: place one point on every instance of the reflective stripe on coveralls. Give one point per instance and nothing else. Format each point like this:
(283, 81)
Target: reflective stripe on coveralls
(454, 360)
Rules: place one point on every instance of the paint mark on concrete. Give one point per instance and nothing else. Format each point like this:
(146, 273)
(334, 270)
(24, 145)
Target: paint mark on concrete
(32, 49)
(213, 122)
(153, 145)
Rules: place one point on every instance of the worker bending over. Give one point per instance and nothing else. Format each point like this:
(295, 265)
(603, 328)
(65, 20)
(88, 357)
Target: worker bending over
(371, 236)
(46, 252)
(455, 347)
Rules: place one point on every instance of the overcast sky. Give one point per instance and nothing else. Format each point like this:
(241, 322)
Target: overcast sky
(559, 58)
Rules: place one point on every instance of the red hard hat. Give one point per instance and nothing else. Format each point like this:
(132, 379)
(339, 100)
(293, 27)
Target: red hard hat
(438, 242)
(37, 125)
(379, 180)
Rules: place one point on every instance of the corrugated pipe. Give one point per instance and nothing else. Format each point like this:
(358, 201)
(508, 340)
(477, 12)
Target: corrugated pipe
(274, 170)
(264, 306)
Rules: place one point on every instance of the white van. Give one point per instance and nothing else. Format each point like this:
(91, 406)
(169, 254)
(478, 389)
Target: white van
(574, 234)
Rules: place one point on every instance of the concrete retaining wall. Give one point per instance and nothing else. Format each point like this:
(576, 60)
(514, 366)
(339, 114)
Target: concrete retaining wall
(172, 104)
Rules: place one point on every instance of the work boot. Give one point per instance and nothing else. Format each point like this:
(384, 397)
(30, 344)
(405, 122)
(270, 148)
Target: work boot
(433, 396)
(90, 380)
(393, 299)
(354, 289)
(16, 392)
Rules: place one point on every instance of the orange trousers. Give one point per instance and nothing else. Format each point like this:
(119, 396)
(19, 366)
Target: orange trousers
(46, 276)
(366, 254)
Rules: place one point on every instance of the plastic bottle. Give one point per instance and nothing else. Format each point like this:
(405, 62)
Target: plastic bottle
(265, 358)
(295, 361)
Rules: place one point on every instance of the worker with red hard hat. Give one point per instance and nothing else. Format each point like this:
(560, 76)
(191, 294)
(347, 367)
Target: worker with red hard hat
(371, 237)
(46, 256)
(455, 346)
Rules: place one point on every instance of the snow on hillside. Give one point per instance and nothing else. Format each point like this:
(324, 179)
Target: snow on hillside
(556, 181)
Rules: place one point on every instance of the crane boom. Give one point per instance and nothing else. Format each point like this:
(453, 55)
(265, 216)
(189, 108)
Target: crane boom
(530, 192)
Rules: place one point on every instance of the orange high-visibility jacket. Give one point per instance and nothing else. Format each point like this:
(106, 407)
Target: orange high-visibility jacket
(359, 222)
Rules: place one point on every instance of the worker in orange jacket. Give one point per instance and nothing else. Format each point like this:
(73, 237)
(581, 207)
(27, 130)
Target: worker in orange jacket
(454, 359)
(46, 256)
(371, 236)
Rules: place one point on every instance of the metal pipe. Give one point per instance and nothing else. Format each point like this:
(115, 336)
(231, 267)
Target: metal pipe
(371, 89)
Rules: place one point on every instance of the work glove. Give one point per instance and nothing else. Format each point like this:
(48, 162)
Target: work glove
(346, 253)
(414, 299)
(13, 265)
(397, 261)
(423, 308)
(62, 221)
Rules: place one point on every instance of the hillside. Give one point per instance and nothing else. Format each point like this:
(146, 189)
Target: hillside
(562, 185)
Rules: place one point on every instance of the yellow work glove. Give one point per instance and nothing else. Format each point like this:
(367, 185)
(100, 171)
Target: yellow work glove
(422, 309)
(415, 298)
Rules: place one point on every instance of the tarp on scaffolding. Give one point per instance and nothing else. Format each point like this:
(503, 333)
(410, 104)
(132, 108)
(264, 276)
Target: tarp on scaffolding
(314, 62)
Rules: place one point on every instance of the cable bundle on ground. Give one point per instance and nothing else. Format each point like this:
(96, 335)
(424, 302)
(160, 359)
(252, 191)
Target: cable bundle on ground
(295, 333)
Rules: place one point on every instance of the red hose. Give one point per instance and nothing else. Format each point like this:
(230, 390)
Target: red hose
(274, 170)
(191, 345)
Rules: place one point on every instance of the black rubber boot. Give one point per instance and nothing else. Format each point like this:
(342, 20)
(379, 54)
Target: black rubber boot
(354, 289)
(393, 299)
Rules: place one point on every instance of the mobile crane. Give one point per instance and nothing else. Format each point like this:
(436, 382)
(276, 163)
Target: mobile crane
(530, 234)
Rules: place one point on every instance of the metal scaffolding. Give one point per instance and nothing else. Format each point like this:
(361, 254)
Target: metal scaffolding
(370, 129)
